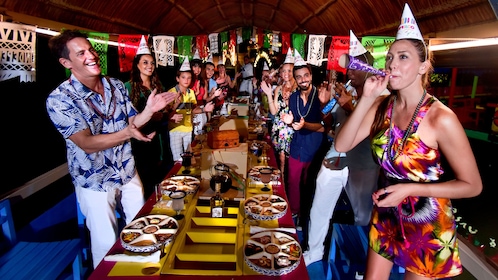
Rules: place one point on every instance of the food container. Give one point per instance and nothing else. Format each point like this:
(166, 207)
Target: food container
(187, 184)
(272, 253)
(148, 233)
(265, 207)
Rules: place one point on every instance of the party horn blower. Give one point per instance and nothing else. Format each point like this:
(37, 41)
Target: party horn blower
(351, 62)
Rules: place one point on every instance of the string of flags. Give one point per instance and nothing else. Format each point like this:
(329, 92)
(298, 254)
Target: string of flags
(18, 47)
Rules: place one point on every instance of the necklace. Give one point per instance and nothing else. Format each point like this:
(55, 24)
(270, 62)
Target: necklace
(407, 132)
(311, 103)
(113, 102)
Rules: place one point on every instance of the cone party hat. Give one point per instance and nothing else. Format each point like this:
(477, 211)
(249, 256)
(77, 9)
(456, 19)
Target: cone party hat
(289, 58)
(355, 47)
(185, 65)
(298, 59)
(408, 29)
(143, 48)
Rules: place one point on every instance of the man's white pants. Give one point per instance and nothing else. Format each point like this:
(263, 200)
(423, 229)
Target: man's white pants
(99, 211)
(329, 185)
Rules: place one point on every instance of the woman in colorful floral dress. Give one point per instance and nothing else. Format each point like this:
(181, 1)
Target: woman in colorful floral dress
(412, 221)
(281, 133)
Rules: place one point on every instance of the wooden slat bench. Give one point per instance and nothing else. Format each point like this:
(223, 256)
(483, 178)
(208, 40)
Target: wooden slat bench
(35, 260)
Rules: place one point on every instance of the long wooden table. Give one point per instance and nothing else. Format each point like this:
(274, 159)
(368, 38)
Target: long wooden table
(129, 270)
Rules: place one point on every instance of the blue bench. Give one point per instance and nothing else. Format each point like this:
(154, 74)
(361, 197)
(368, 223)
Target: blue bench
(35, 260)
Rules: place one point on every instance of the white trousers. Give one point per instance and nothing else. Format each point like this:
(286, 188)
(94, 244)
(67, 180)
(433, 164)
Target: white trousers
(99, 211)
(329, 185)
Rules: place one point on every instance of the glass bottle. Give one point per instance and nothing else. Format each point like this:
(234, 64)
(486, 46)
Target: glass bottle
(217, 202)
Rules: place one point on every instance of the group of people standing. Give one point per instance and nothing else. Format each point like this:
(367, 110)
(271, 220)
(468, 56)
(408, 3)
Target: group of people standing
(386, 149)
(389, 136)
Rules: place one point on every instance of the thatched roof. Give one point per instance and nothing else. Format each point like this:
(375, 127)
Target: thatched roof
(196, 17)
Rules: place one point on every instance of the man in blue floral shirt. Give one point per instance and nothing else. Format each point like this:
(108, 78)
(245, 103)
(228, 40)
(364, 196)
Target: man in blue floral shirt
(97, 120)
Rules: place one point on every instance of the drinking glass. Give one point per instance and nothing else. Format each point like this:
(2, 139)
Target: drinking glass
(186, 162)
(178, 202)
(265, 175)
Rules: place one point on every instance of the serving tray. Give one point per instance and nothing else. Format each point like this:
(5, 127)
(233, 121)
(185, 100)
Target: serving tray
(272, 253)
(148, 233)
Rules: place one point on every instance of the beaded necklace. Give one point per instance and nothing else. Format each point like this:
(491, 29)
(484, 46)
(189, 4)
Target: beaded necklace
(112, 106)
(407, 132)
(311, 103)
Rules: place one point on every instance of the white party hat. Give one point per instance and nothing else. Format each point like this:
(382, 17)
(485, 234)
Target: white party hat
(298, 60)
(185, 65)
(408, 29)
(265, 66)
(289, 58)
(210, 59)
(196, 55)
(143, 48)
(355, 47)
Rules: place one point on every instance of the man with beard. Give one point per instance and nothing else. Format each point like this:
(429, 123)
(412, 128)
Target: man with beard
(306, 119)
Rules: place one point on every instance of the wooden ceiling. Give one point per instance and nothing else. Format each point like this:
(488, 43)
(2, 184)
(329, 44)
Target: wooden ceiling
(196, 17)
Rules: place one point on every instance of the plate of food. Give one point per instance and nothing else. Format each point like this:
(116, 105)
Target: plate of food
(272, 253)
(256, 176)
(187, 184)
(265, 207)
(148, 233)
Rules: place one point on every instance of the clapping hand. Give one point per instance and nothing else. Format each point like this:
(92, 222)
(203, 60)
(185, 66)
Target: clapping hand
(288, 118)
(177, 118)
(209, 107)
(137, 134)
(324, 92)
(157, 101)
(298, 125)
(266, 88)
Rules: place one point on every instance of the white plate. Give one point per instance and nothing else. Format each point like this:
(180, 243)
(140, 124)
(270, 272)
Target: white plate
(187, 184)
(148, 233)
(265, 207)
(272, 253)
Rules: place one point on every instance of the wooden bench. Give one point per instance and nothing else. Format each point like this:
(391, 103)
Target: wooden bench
(35, 260)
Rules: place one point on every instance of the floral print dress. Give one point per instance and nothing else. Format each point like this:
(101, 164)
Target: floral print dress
(281, 133)
(420, 233)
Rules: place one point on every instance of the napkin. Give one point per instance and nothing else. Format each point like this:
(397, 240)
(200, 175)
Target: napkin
(256, 229)
(141, 258)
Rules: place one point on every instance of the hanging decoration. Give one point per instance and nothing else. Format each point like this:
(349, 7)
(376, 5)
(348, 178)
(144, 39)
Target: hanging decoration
(298, 41)
(184, 47)
(224, 47)
(260, 38)
(267, 38)
(127, 48)
(99, 42)
(275, 44)
(378, 46)
(240, 38)
(18, 50)
(201, 45)
(246, 33)
(338, 47)
(286, 42)
(316, 45)
(231, 47)
(213, 43)
(163, 49)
